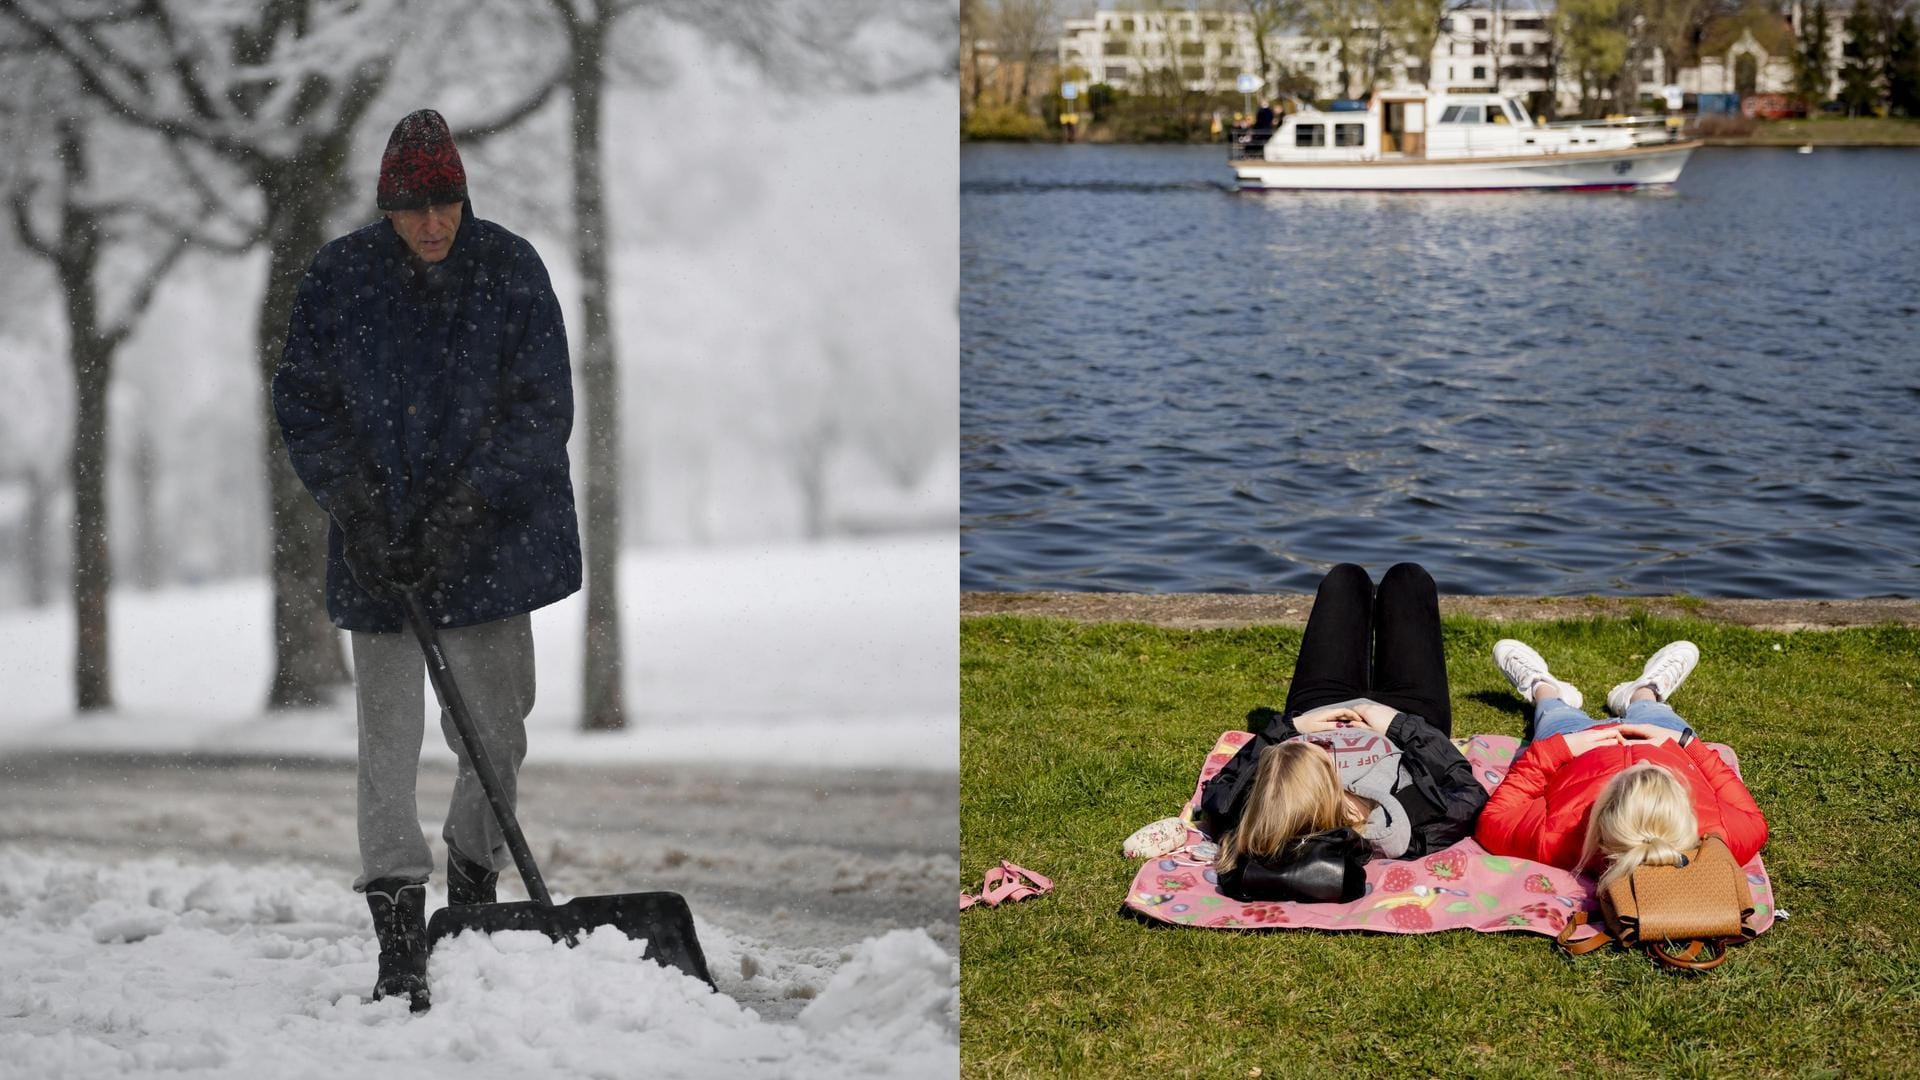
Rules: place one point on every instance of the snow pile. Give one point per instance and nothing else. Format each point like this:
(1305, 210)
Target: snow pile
(898, 987)
(155, 966)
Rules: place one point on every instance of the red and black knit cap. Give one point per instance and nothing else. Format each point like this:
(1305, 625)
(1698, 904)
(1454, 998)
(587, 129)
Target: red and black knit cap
(421, 166)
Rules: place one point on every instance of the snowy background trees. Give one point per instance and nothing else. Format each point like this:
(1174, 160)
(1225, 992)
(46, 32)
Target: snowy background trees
(761, 297)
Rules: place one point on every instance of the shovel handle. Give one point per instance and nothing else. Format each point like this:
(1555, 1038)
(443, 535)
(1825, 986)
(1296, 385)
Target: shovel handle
(450, 698)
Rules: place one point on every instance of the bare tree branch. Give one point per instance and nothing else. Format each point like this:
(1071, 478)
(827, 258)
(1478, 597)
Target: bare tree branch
(23, 224)
(210, 199)
(142, 294)
(198, 99)
(512, 114)
(88, 62)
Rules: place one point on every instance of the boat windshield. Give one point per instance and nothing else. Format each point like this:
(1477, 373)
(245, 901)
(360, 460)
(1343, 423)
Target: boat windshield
(1519, 112)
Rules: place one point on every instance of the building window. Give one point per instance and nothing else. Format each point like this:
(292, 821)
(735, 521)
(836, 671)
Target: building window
(1348, 135)
(1192, 73)
(1310, 135)
(1479, 48)
(1529, 24)
(1479, 24)
(1229, 74)
(1193, 48)
(1212, 25)
(1116, 73)
(1479, 73)
(1116, 46)
(1126, 26)
(1646, 74)
(1516, 48)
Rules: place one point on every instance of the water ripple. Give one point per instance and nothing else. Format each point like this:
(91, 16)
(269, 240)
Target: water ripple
(1167, 386)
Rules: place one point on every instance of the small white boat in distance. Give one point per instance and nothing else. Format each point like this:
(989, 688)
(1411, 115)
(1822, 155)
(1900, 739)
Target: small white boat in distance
(1417, 141)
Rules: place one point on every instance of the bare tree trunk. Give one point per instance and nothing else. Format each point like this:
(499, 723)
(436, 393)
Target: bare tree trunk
(146, 479)
(37, 555)
(75, 260)
(307, 659)
(604, 697)
(92, 569)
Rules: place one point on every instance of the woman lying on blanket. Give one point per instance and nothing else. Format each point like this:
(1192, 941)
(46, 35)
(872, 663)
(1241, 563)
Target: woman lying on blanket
(1642, 790)
(1362, 744)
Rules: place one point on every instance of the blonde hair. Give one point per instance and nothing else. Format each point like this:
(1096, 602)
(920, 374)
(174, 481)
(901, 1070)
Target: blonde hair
(1643, 817)
(1296, 792)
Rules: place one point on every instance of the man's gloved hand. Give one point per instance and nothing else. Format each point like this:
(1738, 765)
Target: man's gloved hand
(376, 563)
(447, 530)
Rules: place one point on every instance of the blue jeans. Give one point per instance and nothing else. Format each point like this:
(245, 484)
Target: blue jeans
(1555, 717)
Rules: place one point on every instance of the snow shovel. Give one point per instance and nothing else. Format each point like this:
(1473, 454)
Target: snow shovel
(661, 919)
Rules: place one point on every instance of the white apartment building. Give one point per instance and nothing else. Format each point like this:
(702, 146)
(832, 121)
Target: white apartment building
(1478, 49)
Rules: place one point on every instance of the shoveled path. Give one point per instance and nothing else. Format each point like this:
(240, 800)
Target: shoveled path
(1218, 610)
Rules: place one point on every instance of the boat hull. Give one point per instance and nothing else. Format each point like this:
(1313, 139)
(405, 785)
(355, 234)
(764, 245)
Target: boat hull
(1610, 170)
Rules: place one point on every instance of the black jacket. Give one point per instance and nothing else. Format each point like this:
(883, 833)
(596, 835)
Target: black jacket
(1436, 785)
(399, 381)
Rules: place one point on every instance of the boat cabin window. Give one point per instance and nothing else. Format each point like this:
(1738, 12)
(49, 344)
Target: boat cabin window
(1311, 135)
(1495, 116)
(1462, 114)
(1519, 113)
(1348, 135)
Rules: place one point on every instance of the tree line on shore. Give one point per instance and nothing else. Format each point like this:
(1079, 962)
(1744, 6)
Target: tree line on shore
(1010, 77)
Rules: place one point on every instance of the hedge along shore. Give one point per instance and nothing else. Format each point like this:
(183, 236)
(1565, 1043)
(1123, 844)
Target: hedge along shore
(1206, 611)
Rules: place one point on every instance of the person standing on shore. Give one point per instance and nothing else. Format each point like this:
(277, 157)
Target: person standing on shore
(425, 397)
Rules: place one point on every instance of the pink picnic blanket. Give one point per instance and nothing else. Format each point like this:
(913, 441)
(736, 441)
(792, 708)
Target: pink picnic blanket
(1462, 886)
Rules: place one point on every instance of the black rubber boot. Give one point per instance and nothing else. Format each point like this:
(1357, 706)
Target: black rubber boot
(400, 921)
(469, 883)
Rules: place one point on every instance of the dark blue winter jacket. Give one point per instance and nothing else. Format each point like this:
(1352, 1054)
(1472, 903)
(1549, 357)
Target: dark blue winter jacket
(401, 377)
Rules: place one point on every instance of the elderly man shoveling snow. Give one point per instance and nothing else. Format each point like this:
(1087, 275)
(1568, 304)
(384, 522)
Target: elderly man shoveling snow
(425, 398)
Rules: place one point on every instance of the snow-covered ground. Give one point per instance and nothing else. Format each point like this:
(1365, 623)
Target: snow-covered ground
(789, 767)
(155, 967)
(842, 654)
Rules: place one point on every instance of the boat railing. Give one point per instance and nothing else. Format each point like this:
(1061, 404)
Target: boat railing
(1249, 144)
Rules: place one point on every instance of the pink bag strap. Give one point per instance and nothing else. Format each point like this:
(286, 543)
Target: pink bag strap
(1041, 882)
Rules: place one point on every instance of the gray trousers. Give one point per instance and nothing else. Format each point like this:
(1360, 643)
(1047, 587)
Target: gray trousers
(492, 664)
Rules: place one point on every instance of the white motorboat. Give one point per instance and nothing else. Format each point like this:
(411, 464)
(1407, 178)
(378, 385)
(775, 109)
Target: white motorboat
(1417, 141)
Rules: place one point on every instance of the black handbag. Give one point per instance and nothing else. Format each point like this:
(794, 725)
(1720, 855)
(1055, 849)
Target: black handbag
(1324, 868)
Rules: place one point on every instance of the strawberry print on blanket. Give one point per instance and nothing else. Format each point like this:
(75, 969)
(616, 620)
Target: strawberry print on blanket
(1461, 887)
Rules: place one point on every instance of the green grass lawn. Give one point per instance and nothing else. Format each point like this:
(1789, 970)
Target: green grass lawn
(1072, 736)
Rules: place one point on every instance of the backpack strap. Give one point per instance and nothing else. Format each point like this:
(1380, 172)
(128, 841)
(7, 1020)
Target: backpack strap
(1584, 945)
(1688, 959)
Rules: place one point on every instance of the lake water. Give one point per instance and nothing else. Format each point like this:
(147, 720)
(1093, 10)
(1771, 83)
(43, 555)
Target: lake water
(1169, 386)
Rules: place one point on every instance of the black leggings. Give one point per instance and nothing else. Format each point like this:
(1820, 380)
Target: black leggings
(1383, 645)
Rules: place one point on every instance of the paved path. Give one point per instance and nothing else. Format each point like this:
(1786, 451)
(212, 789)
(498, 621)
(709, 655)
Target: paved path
(1213, 610)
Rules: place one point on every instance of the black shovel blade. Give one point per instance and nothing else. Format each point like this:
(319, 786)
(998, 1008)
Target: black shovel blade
(661, 918)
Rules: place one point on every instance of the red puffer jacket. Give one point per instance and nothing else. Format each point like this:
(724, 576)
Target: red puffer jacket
(1540, 810)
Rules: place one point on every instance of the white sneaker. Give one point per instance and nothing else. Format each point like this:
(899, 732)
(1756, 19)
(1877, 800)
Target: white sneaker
(1525, 669)
(1665, 671)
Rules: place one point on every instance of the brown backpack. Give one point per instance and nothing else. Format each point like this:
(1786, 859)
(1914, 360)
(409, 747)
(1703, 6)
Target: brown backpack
(1683, 916)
